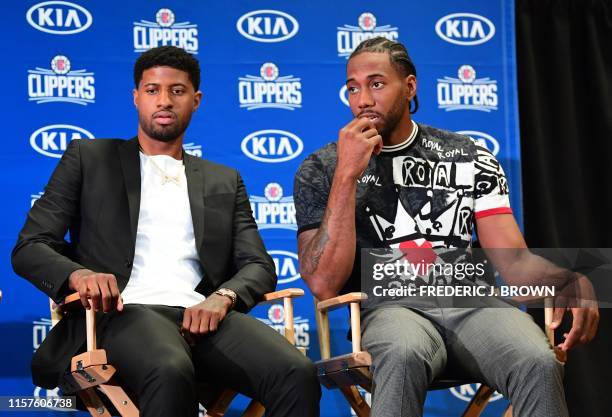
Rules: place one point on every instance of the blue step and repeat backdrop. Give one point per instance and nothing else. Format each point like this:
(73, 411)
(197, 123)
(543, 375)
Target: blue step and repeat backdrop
(273, 83)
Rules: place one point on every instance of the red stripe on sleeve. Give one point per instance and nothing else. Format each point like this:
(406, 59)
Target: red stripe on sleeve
(493, 211)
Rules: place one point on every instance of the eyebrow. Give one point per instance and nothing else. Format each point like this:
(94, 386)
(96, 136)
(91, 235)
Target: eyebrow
(173, 85)
(369, 77)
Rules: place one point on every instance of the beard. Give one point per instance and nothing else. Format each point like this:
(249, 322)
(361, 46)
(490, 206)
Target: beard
(392, 118)
(166, 133)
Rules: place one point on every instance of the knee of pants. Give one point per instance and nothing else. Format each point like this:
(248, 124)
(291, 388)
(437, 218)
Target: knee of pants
(299, 375)
(173, 372)
(538, 368)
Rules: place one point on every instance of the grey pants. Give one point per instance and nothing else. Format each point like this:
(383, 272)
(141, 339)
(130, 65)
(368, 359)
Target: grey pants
(500, 347)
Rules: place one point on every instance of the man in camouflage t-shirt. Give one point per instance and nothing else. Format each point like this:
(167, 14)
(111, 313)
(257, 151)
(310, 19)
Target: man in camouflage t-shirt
(390, 182)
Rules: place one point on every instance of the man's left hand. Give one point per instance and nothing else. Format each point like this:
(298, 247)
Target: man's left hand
(204, 318)
(585, 313)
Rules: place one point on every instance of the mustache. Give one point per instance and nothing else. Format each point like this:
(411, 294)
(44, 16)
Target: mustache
(369, 113)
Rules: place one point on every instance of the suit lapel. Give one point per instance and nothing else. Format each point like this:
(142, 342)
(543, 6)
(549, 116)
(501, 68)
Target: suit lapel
(195, 188)
(130, 164)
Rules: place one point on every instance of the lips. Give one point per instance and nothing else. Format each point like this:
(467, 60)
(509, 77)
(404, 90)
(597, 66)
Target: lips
(372, 116)
(164, 117)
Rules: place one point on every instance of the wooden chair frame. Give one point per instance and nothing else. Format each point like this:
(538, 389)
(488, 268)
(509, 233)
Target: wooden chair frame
(349, 371)
(91, 374)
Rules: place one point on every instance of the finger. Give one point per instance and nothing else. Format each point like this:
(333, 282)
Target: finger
(105, 295)
(186, 321)
(94, 294)
(557, 317)
(83, 296)
(364, 123)
(116, 301)
(202, 324)
(377, 143)
(593, 323)
(368, 133)
(575, 333)
(214, 322)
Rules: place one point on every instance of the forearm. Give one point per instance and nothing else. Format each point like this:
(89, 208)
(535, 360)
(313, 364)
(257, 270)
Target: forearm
(326, 260)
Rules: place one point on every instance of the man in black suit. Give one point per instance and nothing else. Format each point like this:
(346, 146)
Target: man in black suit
(163, 246)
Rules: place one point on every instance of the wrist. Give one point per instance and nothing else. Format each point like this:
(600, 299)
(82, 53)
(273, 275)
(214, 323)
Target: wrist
(75, 276)
(229, 295)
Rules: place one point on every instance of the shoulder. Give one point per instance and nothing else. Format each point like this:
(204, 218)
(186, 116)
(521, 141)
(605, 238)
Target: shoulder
(323, 159)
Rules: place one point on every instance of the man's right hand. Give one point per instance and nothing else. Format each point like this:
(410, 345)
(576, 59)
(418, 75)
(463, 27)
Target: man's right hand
(357, 141)
(99, 289)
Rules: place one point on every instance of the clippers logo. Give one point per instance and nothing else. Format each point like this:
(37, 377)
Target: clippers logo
(467, 92)
(53, 140)
(466, 392)
(267, 26)
(193, 149)
(40, 328)
(286, 264)
(344, 95)
(273, 211)
(467, 29)
(301, 326)
(59, 17)
(165, 31)
(268, 90)
(349, 36)
(61, 83)
(483, 140)
(35, 197)
(272, 146)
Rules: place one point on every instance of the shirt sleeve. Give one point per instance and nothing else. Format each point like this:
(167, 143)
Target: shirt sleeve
(491, 187)
(310, 192)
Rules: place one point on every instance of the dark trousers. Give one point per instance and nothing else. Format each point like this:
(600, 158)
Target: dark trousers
(159, 366)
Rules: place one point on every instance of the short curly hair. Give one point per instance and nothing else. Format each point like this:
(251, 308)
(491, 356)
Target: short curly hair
(398, 55)
(168, 56)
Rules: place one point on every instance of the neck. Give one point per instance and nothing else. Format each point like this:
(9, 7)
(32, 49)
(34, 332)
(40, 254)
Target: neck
(400, 133)
(150, 146)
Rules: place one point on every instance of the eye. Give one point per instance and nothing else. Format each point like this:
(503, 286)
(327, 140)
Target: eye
(178, 91)
(352, 90)
(377, 84)
(150, 91)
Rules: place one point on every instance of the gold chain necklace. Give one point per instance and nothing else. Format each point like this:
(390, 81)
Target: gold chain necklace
(166, 178)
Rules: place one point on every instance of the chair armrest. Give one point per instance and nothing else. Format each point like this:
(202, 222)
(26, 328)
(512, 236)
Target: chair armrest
(286, 293)
(342, 300)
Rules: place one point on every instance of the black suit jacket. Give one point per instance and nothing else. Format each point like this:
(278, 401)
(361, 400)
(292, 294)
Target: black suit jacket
(95, 194)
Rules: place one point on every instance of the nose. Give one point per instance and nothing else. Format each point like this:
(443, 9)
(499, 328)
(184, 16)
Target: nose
(365, 99)
(164, 99)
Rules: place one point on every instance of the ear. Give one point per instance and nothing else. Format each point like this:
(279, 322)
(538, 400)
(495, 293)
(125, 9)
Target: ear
(197, 99)
(135, 96)
(411, 86)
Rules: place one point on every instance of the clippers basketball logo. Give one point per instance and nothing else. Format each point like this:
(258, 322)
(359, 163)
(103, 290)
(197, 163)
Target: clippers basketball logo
(53, 140)
(301, 325)
(483, 139)
(193, 149)
(286, 264)
(466, 392)
(466, 92)
(165, 31)
(59, 17)
(267, 26)
(349, 36)
(35, 197)
(40, 328)
(61, 83)
(274, 210)
(467, 29)
(268, 90)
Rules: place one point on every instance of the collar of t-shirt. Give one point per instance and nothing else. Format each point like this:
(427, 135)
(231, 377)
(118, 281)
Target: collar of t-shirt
(405, 143)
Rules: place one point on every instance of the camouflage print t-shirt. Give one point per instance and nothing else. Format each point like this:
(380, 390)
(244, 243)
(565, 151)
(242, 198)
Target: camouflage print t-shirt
(425, 192)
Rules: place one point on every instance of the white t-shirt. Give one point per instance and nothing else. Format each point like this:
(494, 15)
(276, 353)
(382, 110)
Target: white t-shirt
(166, 266)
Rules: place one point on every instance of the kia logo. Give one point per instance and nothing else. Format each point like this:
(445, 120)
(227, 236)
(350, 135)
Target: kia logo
(53, 140)
(467, 29)
(59, 17)
(267, 26)
(272, 146)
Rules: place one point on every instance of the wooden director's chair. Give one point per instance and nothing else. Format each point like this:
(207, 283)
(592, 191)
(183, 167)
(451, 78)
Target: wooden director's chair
(347, 372)
(91, 374)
